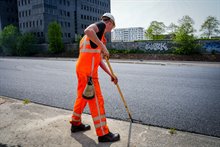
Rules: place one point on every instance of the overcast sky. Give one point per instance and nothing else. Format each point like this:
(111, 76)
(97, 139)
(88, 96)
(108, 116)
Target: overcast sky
(140, 13)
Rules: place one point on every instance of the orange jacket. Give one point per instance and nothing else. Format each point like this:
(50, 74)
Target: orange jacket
(89, 58)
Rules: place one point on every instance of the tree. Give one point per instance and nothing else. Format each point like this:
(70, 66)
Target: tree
(185, 41)
(54, 37)
(155, 30)
(24, 44)
(172, 29)
(8, 40)
(210, 27)
(186, 24)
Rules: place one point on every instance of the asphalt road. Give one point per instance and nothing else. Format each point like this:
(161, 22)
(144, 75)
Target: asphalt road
(185, 97)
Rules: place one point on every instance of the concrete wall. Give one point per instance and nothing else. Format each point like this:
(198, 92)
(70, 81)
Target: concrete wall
(207, 45)
(163, 45)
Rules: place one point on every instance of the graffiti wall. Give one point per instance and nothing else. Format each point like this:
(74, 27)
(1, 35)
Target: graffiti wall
(156, 46)
(207, 45)
(210, 46)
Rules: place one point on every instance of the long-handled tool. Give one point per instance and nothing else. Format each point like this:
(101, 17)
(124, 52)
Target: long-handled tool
(119, 90)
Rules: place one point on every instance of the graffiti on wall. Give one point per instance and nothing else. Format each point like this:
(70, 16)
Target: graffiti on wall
(156, 46)
(210, 46)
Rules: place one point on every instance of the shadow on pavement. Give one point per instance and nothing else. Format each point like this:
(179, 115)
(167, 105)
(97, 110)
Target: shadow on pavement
(86, 141)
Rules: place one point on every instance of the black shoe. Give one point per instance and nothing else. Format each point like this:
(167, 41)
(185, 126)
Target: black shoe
(81, 127)
(110, 137)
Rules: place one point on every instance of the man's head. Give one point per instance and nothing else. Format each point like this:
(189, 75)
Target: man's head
(109, 20)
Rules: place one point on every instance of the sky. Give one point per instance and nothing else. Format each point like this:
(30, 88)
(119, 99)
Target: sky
(140, 13)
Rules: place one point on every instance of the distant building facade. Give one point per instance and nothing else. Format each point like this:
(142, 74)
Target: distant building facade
(8, 13)
(72, 15)
(127, 34)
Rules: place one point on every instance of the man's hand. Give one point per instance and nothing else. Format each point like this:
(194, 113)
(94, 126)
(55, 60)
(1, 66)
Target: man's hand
(114, 79)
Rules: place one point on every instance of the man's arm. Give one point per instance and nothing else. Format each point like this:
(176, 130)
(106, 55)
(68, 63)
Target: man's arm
(113, 77)
(91, 31)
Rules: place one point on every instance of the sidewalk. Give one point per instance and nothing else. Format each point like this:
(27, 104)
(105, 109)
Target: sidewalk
(28, 125)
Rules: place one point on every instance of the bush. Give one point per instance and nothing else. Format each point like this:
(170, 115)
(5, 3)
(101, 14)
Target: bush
(24, 45)
(133, 51)
(186, 44)
(55, 40)
(8, 40)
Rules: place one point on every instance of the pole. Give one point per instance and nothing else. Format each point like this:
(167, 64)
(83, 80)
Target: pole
(119, 90)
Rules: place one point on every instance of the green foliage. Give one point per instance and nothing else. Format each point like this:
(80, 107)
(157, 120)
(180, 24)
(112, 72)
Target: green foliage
(184, 39)
(186, 43)
(186, 24)
(155, 30)
(210, 27)
(133, 51)
(172, 131)
(8, 40)
(24, 45)
(26, 101)
(55, 40)
(172, 28)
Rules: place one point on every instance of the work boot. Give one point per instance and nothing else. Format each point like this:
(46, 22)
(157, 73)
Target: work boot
(81, 127)
(110, 137)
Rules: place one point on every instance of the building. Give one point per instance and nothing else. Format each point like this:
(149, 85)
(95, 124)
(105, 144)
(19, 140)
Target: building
(128, 34)
(72, 15)
(8, 13)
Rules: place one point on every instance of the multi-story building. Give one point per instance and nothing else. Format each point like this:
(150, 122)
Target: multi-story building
(127, 34)
(8, 13)
(72, 15)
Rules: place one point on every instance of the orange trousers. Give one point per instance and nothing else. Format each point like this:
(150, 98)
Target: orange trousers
(96, 106)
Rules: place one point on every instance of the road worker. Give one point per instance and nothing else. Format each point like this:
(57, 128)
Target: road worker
(92, 52)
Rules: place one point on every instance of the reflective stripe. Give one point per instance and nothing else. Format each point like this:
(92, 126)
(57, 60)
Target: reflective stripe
(97, 105)
(84, 50)
(76, 114)
(87, 42)
(100, 125)
(98, 117)
(93, 63)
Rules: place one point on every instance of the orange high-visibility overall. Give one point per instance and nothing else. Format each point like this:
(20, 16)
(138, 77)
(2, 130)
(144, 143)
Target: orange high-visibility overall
(87, 65)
